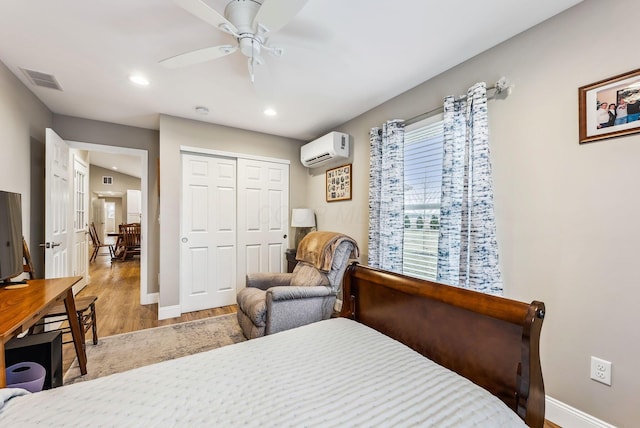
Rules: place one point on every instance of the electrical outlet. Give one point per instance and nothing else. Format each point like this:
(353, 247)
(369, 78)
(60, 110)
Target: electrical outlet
(601, 370)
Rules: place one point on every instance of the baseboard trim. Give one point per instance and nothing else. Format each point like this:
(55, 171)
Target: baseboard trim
(149, 298)
(566, 416)
(166, 312)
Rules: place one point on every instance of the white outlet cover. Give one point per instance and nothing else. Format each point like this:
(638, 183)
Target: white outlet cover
(601, 370)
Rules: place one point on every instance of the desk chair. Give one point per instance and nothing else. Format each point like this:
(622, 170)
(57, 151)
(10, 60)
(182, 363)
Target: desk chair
(86, 311)
(85, 307)
(27, 265)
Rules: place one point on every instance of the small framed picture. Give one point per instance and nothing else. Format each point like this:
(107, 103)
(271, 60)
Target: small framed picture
(338, 182)
(609, 108)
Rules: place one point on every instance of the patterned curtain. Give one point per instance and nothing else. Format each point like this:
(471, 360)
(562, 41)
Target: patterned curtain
(386, 196)
(467, 246)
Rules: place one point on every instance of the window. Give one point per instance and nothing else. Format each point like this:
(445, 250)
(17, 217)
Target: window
(423, 151)
(80, 220)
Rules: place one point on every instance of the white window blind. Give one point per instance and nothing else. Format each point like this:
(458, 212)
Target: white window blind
(423, 181)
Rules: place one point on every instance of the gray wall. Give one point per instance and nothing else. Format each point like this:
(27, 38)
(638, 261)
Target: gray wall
(176, 132)
(566, 213)
(109, 134)
(121, 183)
(23, 119)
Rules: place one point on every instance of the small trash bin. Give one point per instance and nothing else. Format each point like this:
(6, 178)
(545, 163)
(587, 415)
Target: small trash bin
(26, 375)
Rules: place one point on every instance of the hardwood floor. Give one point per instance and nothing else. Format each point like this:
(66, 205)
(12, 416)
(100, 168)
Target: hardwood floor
(118, 308)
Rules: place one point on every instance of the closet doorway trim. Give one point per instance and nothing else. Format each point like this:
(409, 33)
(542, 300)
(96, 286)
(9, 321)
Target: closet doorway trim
(203, 151)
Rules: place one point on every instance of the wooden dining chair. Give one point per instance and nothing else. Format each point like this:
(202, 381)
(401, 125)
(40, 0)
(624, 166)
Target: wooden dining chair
(97, 244)
(118, 248)
(131, 239)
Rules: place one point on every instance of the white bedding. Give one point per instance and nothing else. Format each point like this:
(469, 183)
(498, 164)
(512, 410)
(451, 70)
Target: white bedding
(332, 373)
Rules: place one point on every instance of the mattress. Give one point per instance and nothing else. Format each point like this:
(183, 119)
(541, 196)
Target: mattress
(331, 373)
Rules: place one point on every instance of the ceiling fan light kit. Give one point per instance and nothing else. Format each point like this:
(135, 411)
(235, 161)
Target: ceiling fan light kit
(241, 14)
(248, 21)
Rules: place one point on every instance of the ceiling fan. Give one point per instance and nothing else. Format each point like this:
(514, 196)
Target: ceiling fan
(248, 21)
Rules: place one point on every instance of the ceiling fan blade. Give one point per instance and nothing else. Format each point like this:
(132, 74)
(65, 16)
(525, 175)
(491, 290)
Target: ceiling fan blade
(198, 56)
(275, 14)
(206, 13)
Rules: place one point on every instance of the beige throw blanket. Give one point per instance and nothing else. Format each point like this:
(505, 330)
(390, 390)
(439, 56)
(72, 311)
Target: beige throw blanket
(317, 249)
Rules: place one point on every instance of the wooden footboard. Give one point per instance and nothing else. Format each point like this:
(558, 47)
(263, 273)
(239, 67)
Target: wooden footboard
(492, 341)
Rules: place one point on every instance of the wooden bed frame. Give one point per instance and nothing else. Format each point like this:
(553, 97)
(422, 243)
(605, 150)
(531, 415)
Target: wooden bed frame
(492, 341)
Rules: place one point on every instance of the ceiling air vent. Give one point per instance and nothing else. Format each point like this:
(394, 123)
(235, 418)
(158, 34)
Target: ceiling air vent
(43, 80)
(107, 179)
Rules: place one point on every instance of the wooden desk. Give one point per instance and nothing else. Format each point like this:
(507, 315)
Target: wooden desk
(23, 307)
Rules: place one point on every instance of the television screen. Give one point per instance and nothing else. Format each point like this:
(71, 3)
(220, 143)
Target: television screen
(11, 263)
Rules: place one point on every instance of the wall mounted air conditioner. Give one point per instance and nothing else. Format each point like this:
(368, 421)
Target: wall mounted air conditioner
(333, 146)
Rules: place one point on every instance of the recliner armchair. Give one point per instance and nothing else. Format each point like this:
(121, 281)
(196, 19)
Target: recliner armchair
(273, 302)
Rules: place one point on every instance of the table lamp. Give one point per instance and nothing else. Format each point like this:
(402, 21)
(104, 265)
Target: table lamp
(304, 220)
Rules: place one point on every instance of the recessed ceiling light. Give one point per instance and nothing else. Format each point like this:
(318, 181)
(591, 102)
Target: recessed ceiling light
(114, 168)
(202, 110)
(270, 112)
(139, 80)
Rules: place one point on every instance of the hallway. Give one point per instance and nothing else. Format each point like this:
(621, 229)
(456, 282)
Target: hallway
(118, 309)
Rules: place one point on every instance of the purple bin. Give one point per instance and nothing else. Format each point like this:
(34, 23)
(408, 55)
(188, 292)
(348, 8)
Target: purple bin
(27, 375)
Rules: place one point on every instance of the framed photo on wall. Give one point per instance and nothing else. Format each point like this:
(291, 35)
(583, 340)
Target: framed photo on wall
(338, 183)
(609, 108)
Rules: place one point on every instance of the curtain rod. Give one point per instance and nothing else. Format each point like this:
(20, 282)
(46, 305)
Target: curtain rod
(500, 87)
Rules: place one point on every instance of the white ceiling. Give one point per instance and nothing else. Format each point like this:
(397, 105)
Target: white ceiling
(341, 57)
(125, 164)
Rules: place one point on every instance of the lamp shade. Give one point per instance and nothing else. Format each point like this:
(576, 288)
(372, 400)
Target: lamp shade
(303, 217)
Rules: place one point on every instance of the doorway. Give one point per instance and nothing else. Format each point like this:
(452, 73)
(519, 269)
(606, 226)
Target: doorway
(146, 297)
(110, 217)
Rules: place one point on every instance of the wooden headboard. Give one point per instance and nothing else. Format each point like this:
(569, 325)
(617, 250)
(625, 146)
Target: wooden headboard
(492, 341)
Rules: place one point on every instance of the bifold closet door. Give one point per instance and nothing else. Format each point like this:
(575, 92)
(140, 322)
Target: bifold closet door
(263, 220)
(208, 232)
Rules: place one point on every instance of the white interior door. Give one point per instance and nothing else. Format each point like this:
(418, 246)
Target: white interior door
(98, 216)
(263, 206)
(110, 217)
(57, 218)
(80, 259)
(208, 232)
(134, 206)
